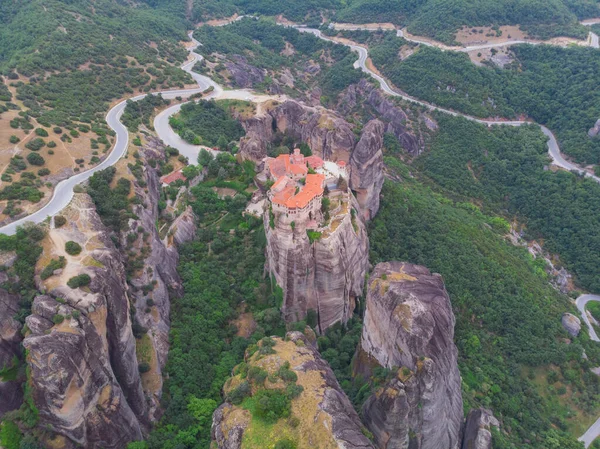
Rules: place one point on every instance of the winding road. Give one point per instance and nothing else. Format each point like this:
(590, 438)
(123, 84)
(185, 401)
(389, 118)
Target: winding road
(63, 192)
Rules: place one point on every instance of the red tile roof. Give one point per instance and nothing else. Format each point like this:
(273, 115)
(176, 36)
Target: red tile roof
(172, 177)
(314, 161)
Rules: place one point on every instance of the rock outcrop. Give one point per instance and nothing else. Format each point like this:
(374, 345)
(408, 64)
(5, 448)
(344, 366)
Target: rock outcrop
(328, 135)
(571, 323)
(11, 393)
(477, 433)
(244, 75)
(84, 372)
(259, 133)
(153, 285)
(366, 168)
(326, 275)
(321, 414)
(394, 118)
(409, 328)
(594, 130)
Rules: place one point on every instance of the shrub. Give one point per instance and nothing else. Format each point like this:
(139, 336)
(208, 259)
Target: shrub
(55, 264)
(41, 132)
(286, 374)
(257, 375)
(58, 318)
(271, 405)
(57, 130)
(285, 444)
(144, 367)
(72, 248)
(79, 281)
(294, 390)
(237, 395)
(14, 139)
(51, 144)
(35, 144)
(10, 435)
(43, 172)
(59, 221)
(35, 159)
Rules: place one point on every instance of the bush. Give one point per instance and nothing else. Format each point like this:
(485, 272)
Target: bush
(51, 144)
(41, 132)
(58, 318)
(35, 159)
(55, 264)
(35, 144)
(14, 139)
(257, 375)
(72, 248)
(79, 281)
(237, 395)
(144, 367)
(285, 444)
(10, 435)
(271, 405)
(59, 221)
(43, 172)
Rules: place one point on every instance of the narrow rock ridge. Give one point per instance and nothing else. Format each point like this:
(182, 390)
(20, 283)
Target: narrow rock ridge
(326, 275)
(324, 415)
(395, 120)
(158, 280)
(366, 169)
(409, 328)
(11, 393)
(81, 349)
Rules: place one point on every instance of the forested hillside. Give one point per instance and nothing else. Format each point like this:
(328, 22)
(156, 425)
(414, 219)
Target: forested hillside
(554, 86)
(269, 57)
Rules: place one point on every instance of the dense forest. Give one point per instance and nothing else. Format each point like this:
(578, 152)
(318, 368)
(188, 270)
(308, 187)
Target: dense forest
(506, 169)
(554, 86)
(207, 123)
(435, 18)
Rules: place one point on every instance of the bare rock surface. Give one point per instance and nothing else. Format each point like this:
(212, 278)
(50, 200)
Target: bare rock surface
(259, 133)
(366, 168)
(244, 74)
(160, 259)
(409, 328)
(394, 118)
(11, 393)
(571, 323)
(81, 350)
(323, 414)
(325, 276)
(477, 433)
(594, 130)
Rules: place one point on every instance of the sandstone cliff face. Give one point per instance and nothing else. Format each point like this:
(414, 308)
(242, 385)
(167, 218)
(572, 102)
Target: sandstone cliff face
(11, 393)
(394, 118)
(259, 133)
(82, 353)
(477, 433)
(366, 168)
(327, 275)
(328, 135)
(158, 280)
(409, 327)
(323, 415)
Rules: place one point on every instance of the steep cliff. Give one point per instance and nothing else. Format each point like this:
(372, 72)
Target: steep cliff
(10, 339)
(317, 413)
(326, 275)
(366, 168)
(327, 134)
(409, 328)
(84, 373)
(153, 273)
(477, 433)
(395, 120)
